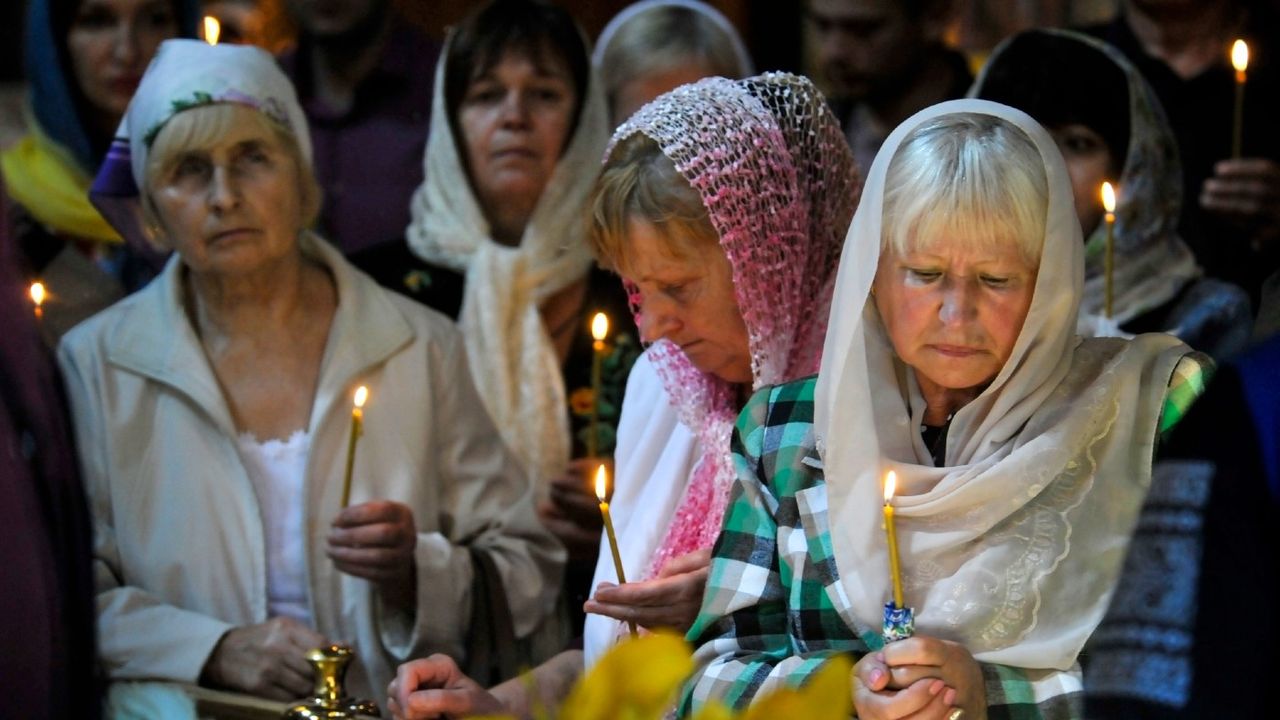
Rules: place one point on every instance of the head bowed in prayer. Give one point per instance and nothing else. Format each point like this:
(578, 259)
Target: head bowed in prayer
(657, 45)
(722, 204)
(197, 102)
(1109, 126)
(955, 307)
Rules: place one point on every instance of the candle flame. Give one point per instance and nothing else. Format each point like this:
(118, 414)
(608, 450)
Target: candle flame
(1240, 56)
(1108, 197)
(602, 482)
(890, 484)
(212, 29)
(599, 326)
(37, 293)
(362, 394)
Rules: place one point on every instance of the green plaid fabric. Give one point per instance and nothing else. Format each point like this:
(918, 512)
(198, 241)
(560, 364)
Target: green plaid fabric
(767, 618)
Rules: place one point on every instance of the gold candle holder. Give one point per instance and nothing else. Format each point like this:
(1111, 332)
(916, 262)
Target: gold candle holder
(330, 700)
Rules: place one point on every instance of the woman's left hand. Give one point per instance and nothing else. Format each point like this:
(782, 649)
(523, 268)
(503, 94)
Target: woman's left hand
(375, 541)
(921, 657)
(671, 600)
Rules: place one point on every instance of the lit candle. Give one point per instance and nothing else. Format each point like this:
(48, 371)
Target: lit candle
(357, 429)
(895, 570)
(1240, 61)
(602, 493)
(599, 329)
(1109, 259)
(212, 29)
(37, 297)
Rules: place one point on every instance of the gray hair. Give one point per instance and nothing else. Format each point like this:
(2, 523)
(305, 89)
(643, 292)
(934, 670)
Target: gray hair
(970, 178)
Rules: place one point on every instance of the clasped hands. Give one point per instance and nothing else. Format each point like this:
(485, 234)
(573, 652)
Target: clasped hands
(920, 678)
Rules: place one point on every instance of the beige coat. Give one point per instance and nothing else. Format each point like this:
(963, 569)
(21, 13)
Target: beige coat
(179, 555)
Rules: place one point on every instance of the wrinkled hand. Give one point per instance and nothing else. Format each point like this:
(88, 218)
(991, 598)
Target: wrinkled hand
(1247, 192)
(671, 600)
(375, 541)
(921, 677)
(267, 660)
(572, 512)
(434, 687)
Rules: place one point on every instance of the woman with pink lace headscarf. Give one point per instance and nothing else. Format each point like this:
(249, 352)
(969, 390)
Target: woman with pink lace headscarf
(723, 205)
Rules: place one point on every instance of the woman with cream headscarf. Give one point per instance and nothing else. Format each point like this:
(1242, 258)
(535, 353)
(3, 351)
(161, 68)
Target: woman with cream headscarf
(1022, 453)
(498, 238)
(212, 411)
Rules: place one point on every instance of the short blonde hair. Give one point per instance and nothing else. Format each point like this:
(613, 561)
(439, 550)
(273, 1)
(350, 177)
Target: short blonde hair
(204, 126)
(971, 177)
(639, 182)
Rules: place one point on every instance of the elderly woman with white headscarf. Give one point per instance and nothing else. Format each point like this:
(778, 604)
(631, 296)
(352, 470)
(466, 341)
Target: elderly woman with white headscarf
(1021, 452)
(213, 411)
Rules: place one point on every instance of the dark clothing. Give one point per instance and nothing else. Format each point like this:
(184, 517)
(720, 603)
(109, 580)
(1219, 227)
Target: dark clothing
(1202, 564)
(369, 160)
(47, 642)
(1200, 111)
(865, 140)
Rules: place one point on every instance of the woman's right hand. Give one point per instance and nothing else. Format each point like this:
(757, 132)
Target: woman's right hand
(671, 600)
(435, 687)
(267, 660)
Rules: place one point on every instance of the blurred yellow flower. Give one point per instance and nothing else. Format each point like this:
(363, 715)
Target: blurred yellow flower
(639, 680)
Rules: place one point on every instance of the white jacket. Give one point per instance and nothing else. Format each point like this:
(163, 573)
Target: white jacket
(179, 555)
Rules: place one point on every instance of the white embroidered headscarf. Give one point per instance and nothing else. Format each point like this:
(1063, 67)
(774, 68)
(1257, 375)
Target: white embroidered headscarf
(770, 163)
(512, 358)
(1013, 547)
(186, 74)
(1152, 263)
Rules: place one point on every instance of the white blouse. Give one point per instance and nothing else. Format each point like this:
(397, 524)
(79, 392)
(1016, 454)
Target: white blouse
(277, 468)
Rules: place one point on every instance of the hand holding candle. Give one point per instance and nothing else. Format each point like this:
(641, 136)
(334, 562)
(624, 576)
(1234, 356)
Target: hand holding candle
(599, 330)
(37, 298)
(602, 493)
(357, 429)
(1240, 61)
(1109, 261)
(899, 620)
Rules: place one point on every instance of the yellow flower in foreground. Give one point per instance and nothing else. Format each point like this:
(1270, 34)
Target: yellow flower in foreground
(825, 697)
(636, 680)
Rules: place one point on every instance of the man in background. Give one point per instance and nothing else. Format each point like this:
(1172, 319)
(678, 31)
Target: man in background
(883, 60)
(364, 76)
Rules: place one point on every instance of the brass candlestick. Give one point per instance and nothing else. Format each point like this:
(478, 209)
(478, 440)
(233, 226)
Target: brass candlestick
(330, 700)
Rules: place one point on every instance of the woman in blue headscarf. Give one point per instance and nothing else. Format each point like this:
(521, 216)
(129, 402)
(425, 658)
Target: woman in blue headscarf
(84, 59)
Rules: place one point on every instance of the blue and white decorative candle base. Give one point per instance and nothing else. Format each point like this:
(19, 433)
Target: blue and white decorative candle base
(899, 622)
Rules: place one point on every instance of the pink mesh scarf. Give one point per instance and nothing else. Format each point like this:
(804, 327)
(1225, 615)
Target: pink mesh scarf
(777, 178)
